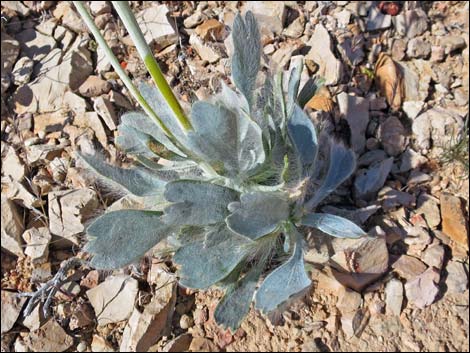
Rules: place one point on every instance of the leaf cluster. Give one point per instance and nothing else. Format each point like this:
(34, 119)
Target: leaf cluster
(233, 191)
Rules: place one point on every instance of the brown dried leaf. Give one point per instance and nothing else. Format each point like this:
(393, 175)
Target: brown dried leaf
(321, 100)
(389, 80)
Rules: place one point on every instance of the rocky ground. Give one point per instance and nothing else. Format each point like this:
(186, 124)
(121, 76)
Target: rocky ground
(396, 76)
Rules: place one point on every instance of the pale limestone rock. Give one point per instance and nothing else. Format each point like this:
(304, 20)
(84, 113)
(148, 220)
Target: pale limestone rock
(11, 308)
(12, 227)
(113, 300)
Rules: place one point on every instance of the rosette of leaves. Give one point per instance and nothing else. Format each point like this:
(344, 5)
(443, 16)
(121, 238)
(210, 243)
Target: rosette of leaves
(234, 190)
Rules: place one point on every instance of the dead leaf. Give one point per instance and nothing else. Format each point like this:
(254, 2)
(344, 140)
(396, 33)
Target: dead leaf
(389, 80)
(321, 100)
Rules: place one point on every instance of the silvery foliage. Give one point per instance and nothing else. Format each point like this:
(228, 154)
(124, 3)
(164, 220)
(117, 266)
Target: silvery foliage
(235, 224)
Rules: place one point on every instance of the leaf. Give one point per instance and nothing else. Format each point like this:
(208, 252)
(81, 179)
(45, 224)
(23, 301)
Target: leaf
(137, 181)
(257, 214)
(389, 80)
(247, 54)
(145, 125)
(204, 263)
(160, 106)
(342, 164)
(332, 225)
(293, 85)
(284, 282)
(197, 202)
(304, 138)
(119, 238)
(236, 302)
(226, 138)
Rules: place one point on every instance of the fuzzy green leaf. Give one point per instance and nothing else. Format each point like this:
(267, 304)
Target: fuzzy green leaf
(197, 202)
(284, 282)
(145, 125)
(342, 163)
(204, 263)
(257, 214)
(225, 138)
(304, 139)
(247, 54)
(137, 181)
(119, 238)
(236, 302)
(333, 225)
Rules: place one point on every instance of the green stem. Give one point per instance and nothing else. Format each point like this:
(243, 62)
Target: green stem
(117, 67)
(128, 18)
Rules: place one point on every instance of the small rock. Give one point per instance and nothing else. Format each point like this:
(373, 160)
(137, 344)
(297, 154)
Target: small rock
(99, 344)
(371, 157)
(377, 20)
(186, 322)
(417, 239)
(429, 207)
(452, 43)
(42, 154)
(50, 122)
(457, 278)
(408, 267)
(65, 12)
(356, 111)
(12, 227)
(438, 125)
(437, 54)
(105, 110)
(11, 308)
(82, 347)
(392, 134)
(422, 290)
(412, 108)
(204, 51)
(82, 316)
(94, 86)
(394, 297)
(68, 212)
(201, 344)
(34, 320)
(418, 48)
(51, 337)
(34, 44)
(100, 7)
(211, 30)
(193, 20)
(11, 164)
(329, 67)
(113, 300)
(269, 14)
(411, 160)
(358, 267)
(144, 329)
(434, 256)
(91, 120)
(22, 71)
(391, 198)
(399, 49)
(156, 26)
(411, 23)
(37, 240)
(179, 344)
(369, 182)
(296, 28)
(454, 223)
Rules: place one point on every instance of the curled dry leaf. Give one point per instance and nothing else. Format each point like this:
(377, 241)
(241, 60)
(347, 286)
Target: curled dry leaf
(321, 100)
(389, 80)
